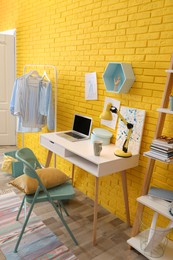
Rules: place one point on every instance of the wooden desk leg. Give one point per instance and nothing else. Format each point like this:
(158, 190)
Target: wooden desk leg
(72, 174)
(55, 160)
(49, 156)
(95, 210)
(125, 192)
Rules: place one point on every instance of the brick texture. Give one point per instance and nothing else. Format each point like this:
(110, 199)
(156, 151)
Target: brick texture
(83, 36)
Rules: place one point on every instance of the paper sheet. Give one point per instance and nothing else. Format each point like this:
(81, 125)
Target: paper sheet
(90, 86)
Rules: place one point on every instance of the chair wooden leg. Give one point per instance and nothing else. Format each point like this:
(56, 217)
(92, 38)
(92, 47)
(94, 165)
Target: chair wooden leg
(26, 221)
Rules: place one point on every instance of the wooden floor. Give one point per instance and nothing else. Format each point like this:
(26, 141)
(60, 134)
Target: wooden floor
(112, 233)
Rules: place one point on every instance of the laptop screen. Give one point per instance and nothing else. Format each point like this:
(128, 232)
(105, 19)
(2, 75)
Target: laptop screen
(82, 124)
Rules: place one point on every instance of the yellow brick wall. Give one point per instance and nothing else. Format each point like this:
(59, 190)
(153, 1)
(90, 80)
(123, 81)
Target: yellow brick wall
(83, 36)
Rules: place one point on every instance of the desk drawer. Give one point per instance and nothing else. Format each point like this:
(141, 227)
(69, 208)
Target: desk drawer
(53, 147)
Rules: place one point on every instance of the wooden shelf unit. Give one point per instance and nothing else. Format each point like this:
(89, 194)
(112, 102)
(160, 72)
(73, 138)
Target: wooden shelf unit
(135, 242)
(161, 207)
(145, 200)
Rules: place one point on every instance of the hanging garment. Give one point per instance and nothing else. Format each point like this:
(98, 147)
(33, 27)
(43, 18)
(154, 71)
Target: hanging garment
(32, 102)
(29, 103)
(46, 103)
(18, 84)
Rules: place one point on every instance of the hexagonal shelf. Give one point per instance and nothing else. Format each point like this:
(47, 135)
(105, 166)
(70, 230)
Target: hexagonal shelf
(118, 77)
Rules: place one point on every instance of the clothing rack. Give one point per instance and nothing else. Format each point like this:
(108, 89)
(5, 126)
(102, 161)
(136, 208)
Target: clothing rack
(44, 67)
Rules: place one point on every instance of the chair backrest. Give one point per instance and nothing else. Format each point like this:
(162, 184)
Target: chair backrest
(30, 162)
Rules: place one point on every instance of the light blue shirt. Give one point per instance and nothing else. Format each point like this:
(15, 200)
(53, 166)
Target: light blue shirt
(31, 101)
(46, 104)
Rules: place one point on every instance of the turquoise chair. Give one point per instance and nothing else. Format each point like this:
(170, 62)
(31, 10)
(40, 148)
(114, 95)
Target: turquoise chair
(59, 193)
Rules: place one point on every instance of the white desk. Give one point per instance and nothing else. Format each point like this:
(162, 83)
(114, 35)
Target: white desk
(81, 154)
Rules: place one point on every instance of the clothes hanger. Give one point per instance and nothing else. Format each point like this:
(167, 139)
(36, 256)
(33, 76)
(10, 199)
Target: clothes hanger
(45, 76)
(33, 73)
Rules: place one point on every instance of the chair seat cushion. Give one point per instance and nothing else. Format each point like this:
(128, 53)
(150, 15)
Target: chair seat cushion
(64, 191)
(50, 177)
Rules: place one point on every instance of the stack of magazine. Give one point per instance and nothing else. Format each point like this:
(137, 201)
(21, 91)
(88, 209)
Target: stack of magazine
(161, 149)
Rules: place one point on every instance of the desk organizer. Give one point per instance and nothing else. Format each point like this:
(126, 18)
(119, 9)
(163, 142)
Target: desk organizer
(101, 134)
(118, 77)
(17, 167)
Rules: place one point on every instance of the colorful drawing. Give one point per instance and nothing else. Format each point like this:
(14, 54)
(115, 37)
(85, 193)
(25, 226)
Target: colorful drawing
(135, 117)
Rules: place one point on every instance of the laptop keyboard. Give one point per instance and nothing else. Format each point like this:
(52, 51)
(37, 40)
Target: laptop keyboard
(75, 135)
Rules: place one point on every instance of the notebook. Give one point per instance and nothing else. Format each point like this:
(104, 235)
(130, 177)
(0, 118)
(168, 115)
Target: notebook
(81, 129)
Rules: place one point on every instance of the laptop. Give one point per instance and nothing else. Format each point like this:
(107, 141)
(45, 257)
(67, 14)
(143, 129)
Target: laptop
(80, 131)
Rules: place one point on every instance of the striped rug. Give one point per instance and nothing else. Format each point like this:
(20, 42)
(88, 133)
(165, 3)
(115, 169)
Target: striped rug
(38, 242)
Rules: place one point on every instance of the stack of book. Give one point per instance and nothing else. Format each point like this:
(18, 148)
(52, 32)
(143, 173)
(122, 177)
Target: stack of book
(161, 149)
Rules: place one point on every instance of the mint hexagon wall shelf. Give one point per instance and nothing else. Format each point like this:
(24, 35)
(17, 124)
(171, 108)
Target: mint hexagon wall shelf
(118, 77)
